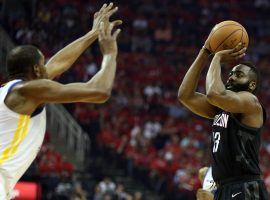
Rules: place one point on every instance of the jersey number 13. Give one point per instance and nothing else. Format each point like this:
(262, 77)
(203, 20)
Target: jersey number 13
(216, 139)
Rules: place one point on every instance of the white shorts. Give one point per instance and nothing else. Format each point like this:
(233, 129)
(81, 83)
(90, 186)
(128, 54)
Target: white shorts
(5, 190)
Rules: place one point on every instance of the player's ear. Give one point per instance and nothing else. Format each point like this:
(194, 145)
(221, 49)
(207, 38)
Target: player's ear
(37, 71)
(252, 85)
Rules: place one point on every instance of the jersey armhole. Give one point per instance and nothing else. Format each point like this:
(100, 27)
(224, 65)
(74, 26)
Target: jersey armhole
(12, 86)
(11, 112)
(37, 111)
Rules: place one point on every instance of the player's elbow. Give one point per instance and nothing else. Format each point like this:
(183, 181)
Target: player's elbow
(182, 97)
(212, 96)
(100, 97)
(104, 97)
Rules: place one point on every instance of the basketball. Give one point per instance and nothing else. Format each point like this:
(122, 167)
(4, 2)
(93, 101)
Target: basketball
(226, 35)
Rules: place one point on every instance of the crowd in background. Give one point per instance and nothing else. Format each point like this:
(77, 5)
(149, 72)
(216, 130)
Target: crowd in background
(109, 190)
(143, 122)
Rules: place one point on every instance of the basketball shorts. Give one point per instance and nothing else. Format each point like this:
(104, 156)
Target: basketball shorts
(245, 190)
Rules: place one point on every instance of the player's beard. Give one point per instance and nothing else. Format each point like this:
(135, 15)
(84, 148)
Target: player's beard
(236, 87)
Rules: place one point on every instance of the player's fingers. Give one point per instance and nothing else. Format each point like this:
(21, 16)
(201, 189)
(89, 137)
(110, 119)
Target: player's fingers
(225, 52)
(240, 56)
(116, 23)
(109, 7)
(239, 52)
(116, 33)
(228, 51)
(96, 15)
(111, 12)
(109, 29)
(102, 31)
(238, 47)
(103, 7)
(243, 50)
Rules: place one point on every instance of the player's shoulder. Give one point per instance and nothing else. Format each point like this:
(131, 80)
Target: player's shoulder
(252, 98)
(247, 94)
(31, 84)
(31, 89)
(252, 103)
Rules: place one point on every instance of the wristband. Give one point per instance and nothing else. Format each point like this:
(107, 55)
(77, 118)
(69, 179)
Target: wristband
(207, 50)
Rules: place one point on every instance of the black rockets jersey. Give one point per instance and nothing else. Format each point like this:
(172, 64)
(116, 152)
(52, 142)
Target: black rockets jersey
(235, 148)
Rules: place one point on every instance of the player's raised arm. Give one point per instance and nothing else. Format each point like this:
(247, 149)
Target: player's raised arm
(63, 59)
(108, 46)
(96, 90)
(229, 100)
(187, 95)
(44, 90)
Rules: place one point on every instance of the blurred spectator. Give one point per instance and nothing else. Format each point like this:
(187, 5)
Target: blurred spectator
(78, 193)
(107, 186)
(121, 194)
(118, 194)
(138, 196)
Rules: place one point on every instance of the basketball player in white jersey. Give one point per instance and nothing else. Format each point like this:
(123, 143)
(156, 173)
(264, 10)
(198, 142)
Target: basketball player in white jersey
(22, 99)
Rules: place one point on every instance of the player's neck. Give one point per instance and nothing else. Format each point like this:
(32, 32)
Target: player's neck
(20, 76)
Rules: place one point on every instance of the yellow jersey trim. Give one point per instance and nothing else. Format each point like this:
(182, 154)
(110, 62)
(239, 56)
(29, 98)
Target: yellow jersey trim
(19, 135)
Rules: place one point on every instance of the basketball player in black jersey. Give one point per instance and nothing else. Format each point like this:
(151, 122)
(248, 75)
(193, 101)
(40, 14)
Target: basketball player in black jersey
(238, 118)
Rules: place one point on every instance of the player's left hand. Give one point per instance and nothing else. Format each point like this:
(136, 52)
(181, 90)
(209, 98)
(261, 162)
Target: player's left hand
(107, 39)
(232, 54)
(103, 15)
(204, 195)
(207, 42)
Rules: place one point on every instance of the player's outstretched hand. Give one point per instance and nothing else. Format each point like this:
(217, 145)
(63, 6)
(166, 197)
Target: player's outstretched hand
(232, 54)
(204, 195)
(107, 39)
(103, 15)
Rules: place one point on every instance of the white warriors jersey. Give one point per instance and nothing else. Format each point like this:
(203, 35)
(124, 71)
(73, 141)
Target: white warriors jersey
(21, 137)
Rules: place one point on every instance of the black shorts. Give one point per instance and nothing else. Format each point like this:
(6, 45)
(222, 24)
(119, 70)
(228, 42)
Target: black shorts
(245, 190)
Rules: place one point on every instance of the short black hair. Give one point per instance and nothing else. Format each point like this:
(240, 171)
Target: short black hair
(254, 74)
(21, 59)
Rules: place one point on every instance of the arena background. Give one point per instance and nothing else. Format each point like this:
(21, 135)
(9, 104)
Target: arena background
(141, 144)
